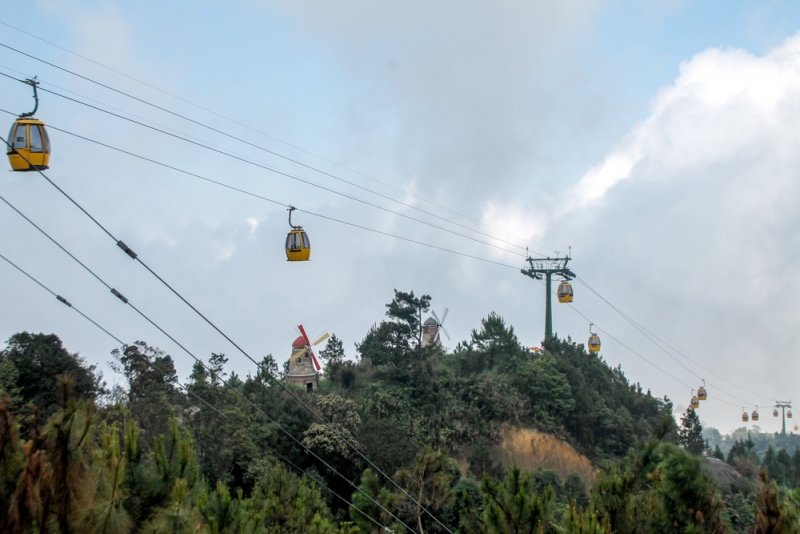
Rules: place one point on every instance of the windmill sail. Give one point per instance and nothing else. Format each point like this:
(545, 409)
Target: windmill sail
(309, 345)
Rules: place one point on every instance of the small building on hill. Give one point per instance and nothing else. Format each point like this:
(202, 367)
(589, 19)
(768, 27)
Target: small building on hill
(301, 370)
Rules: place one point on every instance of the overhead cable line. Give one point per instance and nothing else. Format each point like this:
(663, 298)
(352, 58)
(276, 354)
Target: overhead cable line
(267, 372)
(177, 382)
(109, 106)
(294, 161)
(261, 197)
(606, 333)
(655, 340)
(630, 319)
(234, 121)
(126, 301)
(572, 306)
(271, 169)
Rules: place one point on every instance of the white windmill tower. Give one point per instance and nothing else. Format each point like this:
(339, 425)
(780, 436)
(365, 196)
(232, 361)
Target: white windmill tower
(431, 328)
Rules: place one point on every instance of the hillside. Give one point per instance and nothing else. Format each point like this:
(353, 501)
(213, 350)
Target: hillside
(570, 436)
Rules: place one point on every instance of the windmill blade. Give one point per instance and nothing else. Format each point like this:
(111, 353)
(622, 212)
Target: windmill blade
(315, 360)
(299, 354)
(436, 317)
(445, 332)
(321, 338)
(303, 333)
(444, 316)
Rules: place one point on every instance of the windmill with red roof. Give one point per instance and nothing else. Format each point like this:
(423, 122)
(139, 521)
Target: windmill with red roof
(304, 365)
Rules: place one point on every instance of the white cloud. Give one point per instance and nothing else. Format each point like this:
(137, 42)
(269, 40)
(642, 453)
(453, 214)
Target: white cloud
(693, 218)
(252, 222)
(723, 101)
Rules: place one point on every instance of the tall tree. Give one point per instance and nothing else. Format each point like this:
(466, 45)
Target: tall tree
(429, 482)
(690, 433)
(513, 505)
(152, 393)
(372, 504)
(38, 360)
(67, 438)
(333, 356)
(398, 341)
(495, 343)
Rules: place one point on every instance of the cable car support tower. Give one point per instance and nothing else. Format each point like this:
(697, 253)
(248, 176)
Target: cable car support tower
(545, 268)
(783, 405)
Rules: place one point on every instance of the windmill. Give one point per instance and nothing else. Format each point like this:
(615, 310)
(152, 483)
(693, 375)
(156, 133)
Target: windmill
(307, 346)
(432, 326)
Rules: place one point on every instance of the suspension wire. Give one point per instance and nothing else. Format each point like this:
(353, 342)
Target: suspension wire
(109, 106)
(655, 340)
(677, 350)
(279, 383)
(636, 325)
(349, 224)
(275, 170)
(177, 382)
(266, 199)
(125, 300)
(274, 138)
(608, 334)
(186, 139)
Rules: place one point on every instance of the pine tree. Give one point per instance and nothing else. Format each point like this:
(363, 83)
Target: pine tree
(514, 506)
(364, 506)
(430, 481)
(332, 355)
(690, 433)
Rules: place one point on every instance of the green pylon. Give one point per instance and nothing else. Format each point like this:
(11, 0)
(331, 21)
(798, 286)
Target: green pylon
(546, 268)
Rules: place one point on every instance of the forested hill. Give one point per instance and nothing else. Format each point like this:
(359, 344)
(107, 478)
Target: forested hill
(459, 400)
(400, 402)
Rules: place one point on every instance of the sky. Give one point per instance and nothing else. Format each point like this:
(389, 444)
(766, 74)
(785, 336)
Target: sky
(657, 143)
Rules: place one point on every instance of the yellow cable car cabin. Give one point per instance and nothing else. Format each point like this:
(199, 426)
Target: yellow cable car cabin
(695, 403)
(564, 292)
(702, 394)
(745, 417)
(29, 148)
(775, 412)
(298, 247)
(789, 414)
(755, 415)
(594, 340)
(594, 343)
(796, 427)
(28, 145)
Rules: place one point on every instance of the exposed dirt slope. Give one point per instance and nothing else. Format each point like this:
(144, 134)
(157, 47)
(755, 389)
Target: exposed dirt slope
(531, 449)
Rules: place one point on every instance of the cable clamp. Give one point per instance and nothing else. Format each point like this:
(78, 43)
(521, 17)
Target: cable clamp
(127, 249)
(62, 299)
(119, 295)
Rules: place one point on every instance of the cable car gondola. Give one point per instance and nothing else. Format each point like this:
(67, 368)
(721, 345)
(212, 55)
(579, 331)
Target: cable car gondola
(695, 403)
(594, 340)
(745, 417)
(702, 394)
(564, 292)
(775, 412)
(28, 143)
(789, 414)
(298, 247)
(755, 414)
(796, 427)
